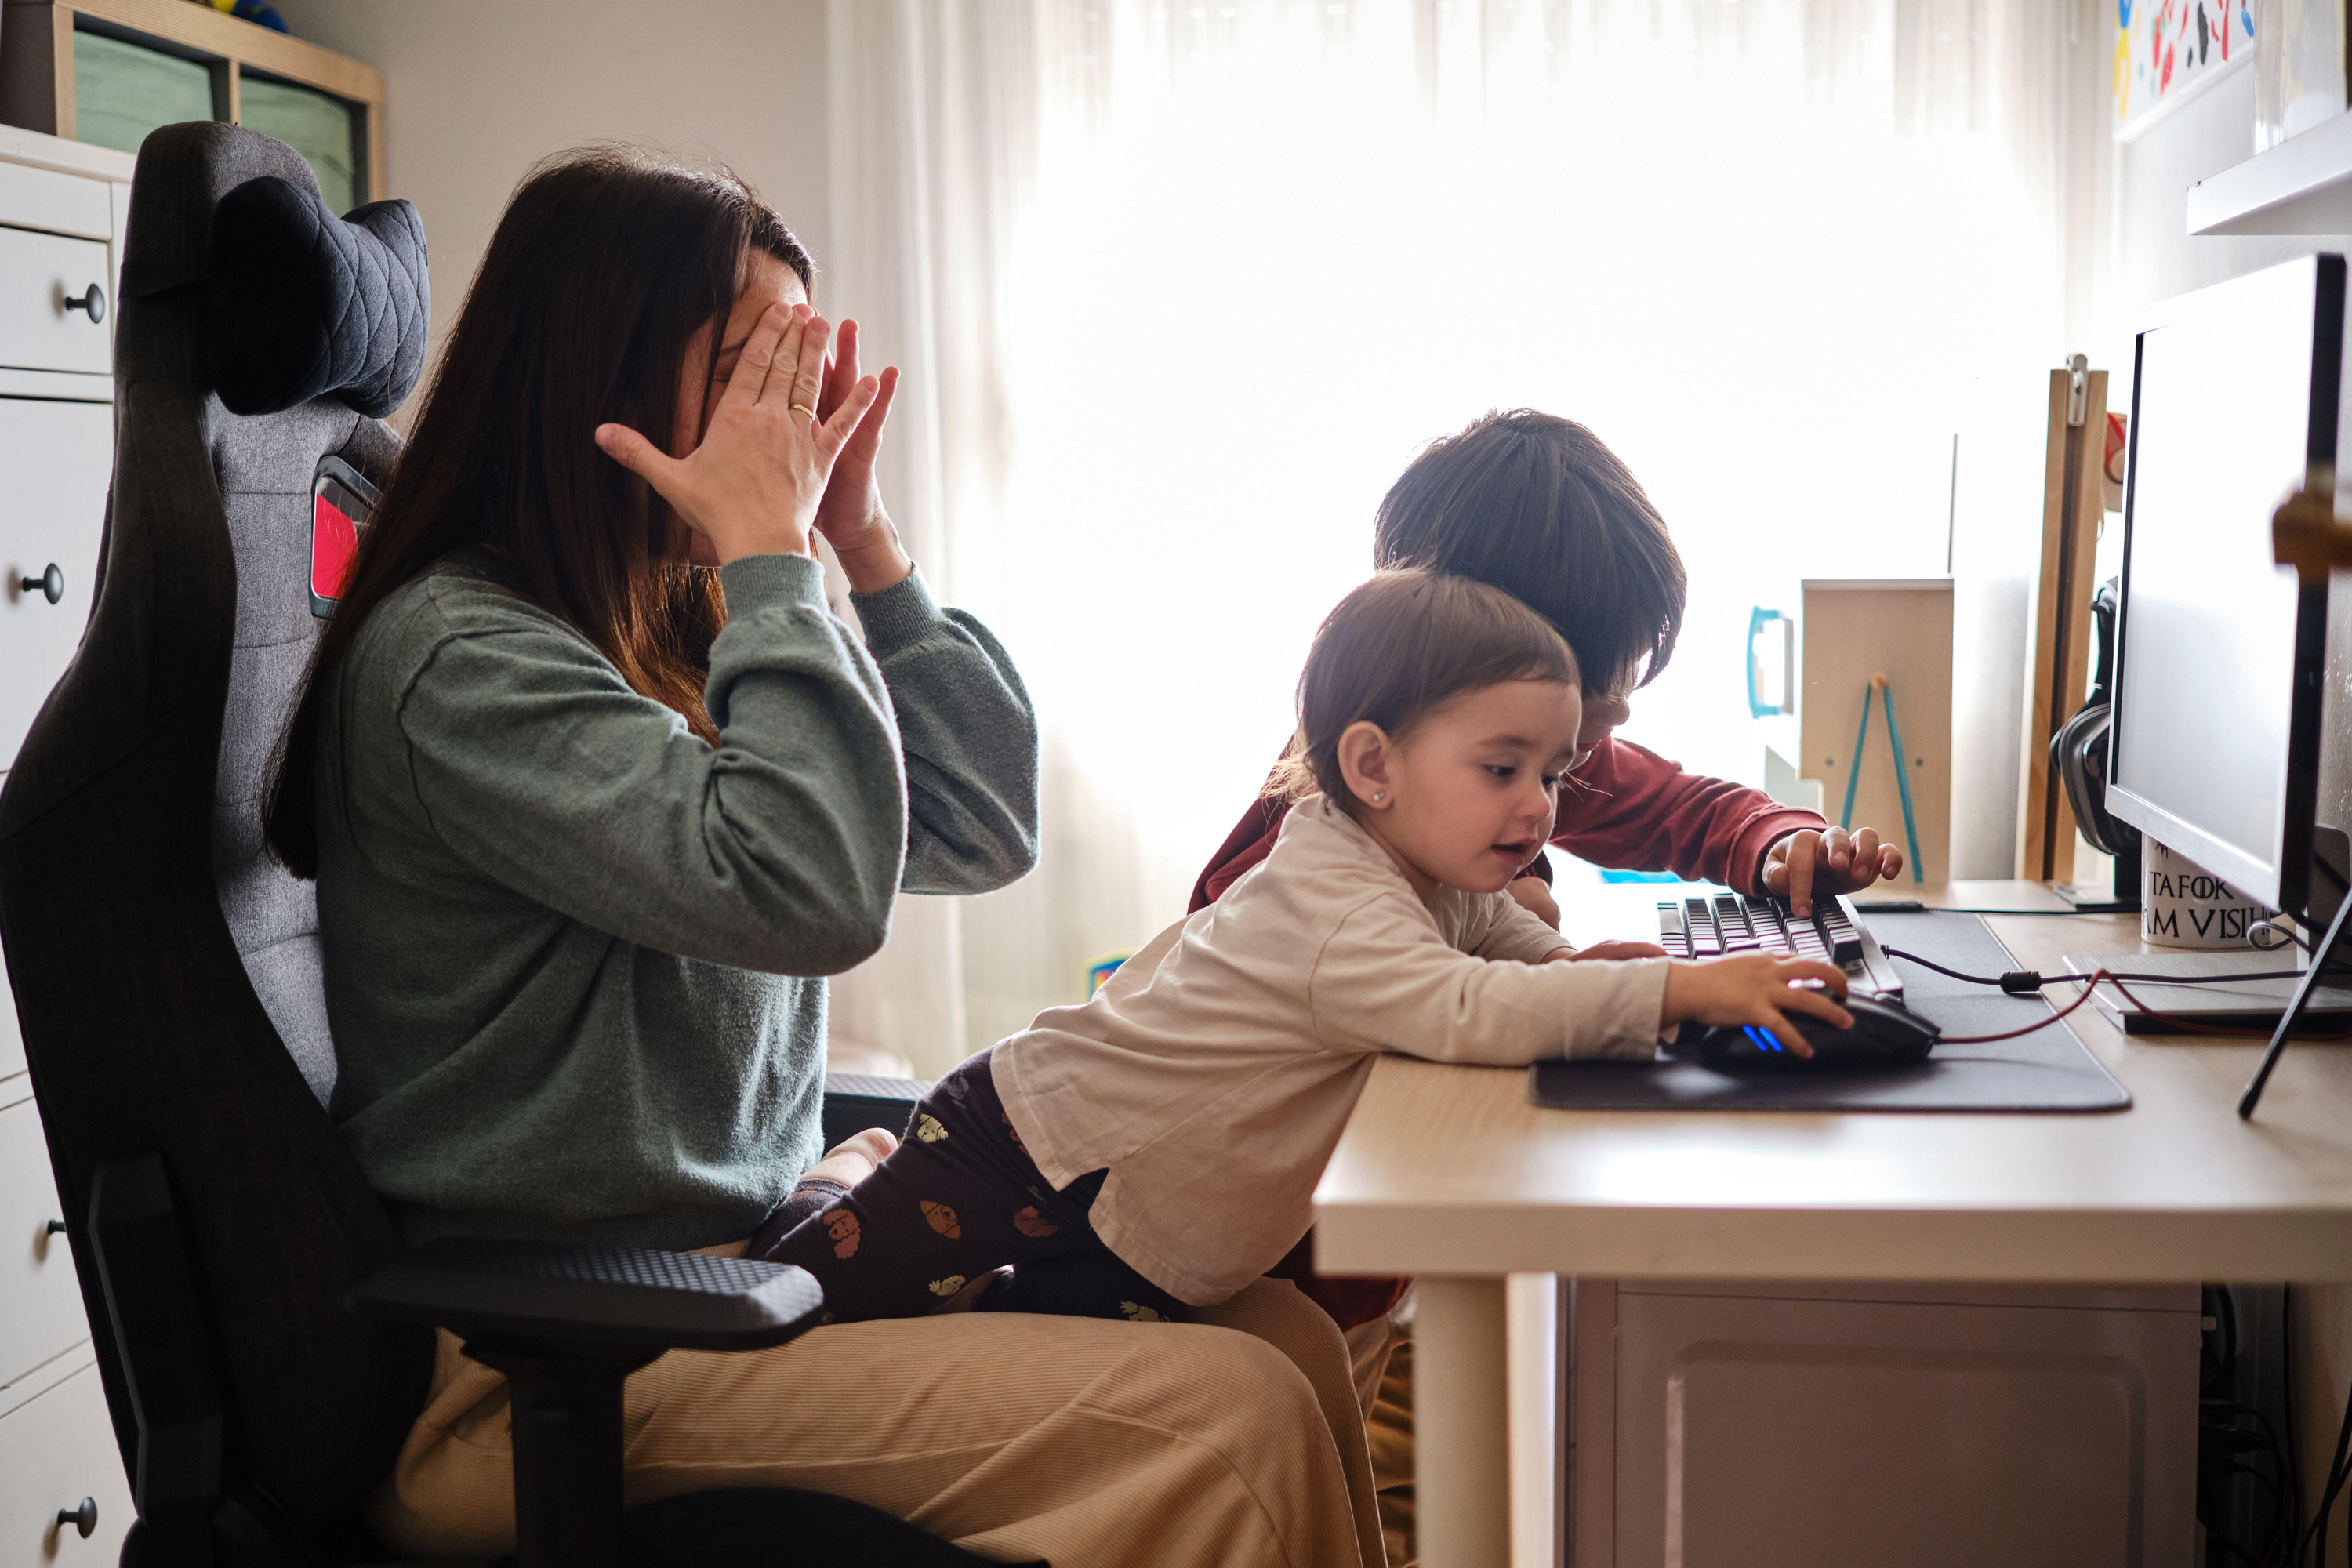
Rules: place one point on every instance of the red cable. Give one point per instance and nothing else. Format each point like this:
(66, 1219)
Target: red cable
(2092, 989)
(2055, 1015)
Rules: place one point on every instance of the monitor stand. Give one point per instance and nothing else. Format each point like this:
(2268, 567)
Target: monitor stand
(2119, 897)
(2331, 884)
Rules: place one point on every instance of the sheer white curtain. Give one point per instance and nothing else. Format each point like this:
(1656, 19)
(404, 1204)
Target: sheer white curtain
(1181, 287)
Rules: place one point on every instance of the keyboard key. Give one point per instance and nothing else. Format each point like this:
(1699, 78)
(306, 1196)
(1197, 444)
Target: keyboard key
(1844, 942)
(1670, 934)
(1764, 919)
(1732, 921)
(1698, 920)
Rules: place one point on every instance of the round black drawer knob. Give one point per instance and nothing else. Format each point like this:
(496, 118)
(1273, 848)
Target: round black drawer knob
(55, 1227)
(83, 1519)
(50, 584)
(93, 302)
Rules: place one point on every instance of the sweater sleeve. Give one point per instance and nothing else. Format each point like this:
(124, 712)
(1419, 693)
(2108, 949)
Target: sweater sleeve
(1514, 933)
(1630, 809)
(970, 737)
(1385, 981)
(779, 849)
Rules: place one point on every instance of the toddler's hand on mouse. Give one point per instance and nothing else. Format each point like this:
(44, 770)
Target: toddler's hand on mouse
(1754, 988)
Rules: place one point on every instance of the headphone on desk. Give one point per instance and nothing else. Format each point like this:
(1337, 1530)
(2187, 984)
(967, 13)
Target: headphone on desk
(2079, 750)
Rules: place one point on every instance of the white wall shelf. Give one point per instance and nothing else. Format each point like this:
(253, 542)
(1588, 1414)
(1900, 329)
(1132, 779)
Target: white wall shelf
(2302, 185)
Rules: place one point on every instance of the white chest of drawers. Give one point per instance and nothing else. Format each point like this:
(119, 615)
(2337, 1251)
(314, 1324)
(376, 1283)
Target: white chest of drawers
(61, 206)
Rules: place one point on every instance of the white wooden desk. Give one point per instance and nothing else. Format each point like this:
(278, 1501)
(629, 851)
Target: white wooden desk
(1451, 1174)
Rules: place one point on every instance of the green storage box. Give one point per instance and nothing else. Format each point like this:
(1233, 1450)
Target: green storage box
(122, 92)
(314, 124)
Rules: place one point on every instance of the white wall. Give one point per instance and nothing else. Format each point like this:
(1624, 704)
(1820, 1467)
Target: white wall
(2154, 258)
(481, 89)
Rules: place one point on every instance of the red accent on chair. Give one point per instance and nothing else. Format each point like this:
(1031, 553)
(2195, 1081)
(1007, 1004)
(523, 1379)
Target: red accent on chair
(334, 540)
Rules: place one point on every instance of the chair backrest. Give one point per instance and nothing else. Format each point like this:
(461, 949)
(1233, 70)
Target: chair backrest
(163, 967)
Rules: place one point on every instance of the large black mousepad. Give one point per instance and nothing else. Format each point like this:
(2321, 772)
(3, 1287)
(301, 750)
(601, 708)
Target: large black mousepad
(2047, 1070)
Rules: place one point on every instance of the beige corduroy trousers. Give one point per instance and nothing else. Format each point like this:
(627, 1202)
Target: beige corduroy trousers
(1089, 1444)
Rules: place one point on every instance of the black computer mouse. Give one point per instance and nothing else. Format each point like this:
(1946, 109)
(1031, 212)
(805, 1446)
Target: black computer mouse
(1885, 1035)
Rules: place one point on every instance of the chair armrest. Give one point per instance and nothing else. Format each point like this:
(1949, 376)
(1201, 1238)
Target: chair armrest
(537, 1292)
(855, 1100)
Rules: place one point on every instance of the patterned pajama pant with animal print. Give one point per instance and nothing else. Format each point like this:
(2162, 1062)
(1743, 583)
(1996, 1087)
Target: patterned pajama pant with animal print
(959, 1198)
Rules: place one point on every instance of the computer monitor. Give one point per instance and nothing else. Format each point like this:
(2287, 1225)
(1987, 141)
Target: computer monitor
(2215, 740)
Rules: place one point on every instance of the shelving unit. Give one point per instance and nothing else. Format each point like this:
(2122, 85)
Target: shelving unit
(2302, 185)
(36, 65)
(61, 221)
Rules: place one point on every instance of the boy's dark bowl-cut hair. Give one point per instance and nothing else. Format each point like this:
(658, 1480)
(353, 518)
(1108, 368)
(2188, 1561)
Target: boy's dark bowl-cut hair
(1537, 506)
(1395, 650)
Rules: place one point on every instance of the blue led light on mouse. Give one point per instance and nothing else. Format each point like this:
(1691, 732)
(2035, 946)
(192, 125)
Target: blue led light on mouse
(1884, 1035)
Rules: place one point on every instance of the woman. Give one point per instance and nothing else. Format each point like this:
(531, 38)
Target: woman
(590, 821)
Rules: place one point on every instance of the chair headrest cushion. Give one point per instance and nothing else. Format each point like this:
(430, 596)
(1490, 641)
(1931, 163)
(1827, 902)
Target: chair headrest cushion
(300, 302)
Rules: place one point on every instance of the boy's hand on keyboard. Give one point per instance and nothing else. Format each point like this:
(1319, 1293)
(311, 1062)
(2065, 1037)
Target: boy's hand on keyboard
(1830, 861)
(1754, 988)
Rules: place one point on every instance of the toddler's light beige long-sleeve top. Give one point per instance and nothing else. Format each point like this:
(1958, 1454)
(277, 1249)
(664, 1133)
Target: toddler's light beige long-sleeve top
(1212, 1073)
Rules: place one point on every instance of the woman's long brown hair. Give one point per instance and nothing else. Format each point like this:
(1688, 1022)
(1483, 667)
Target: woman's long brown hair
(603, 269)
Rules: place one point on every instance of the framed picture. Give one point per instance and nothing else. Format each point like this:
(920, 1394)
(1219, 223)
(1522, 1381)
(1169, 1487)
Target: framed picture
(2168, 51)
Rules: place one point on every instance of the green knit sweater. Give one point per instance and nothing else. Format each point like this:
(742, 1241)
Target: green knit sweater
(573, 952)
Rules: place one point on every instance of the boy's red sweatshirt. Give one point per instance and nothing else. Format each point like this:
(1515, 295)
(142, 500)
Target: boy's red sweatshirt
(1628, 808)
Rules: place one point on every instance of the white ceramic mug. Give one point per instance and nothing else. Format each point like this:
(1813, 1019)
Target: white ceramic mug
(2181, 904)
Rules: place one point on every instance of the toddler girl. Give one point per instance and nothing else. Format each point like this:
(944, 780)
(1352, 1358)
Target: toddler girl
(1157, 1149)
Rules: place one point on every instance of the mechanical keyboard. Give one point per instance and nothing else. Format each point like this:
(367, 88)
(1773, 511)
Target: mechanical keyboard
(1712, 927)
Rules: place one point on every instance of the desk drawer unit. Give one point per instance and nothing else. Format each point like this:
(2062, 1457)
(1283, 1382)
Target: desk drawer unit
(41, 1314)
(57, 1455)
(57, 457)
(1758, 1430)
(39, 329)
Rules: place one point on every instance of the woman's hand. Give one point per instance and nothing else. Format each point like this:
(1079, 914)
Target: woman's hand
(752, 485)
(1753, 988)
(850, 516)
(1832, 861)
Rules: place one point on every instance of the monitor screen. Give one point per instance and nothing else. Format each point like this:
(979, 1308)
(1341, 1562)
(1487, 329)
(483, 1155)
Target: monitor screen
(2215, 736)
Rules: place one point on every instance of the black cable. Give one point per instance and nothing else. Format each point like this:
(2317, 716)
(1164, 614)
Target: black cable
(1950, 909)
(2317, 1531)
(2018, 982)
(2216, 1355)
(2222, 1439)
(2286, 1369)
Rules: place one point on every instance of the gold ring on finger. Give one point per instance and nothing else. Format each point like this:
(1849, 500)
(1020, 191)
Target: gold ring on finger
(804, 409)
